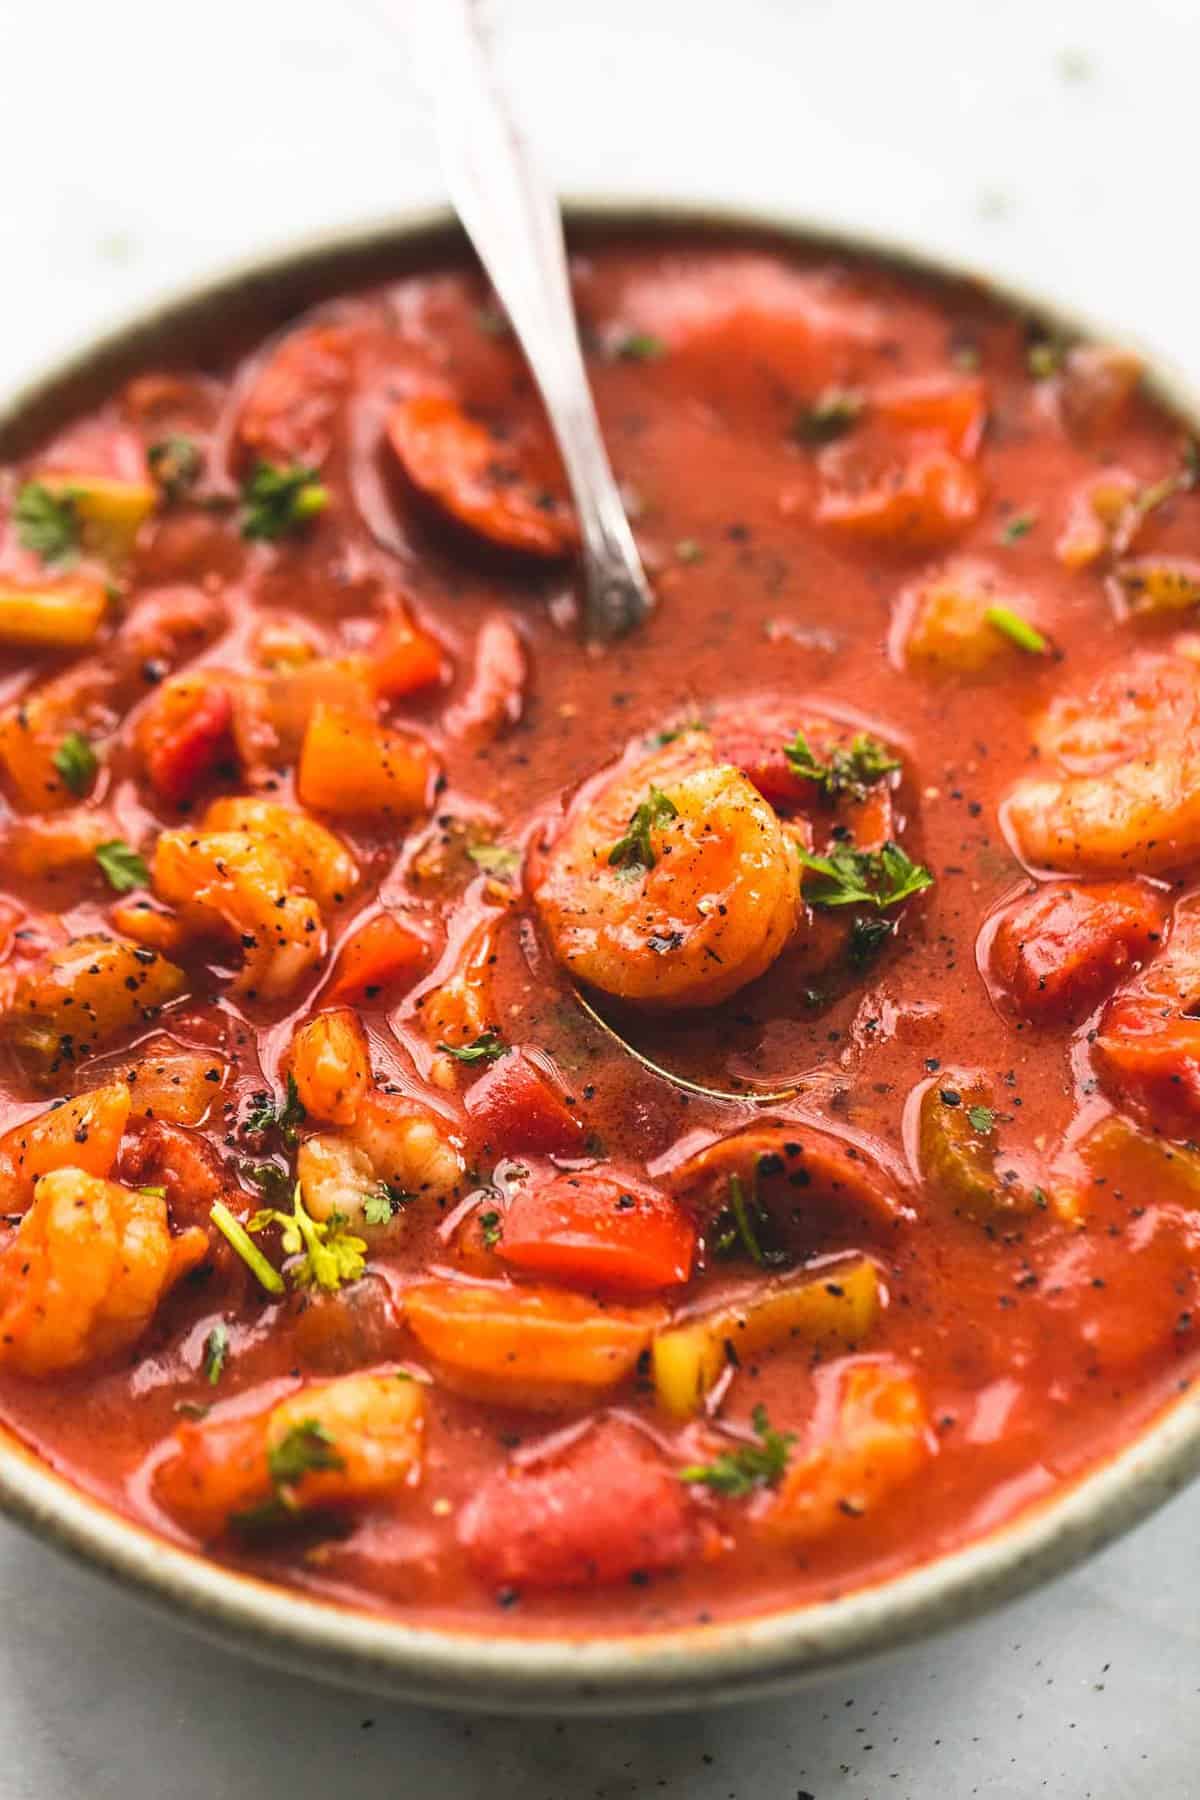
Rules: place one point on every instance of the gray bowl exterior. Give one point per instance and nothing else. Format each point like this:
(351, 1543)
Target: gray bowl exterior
(641, 1672)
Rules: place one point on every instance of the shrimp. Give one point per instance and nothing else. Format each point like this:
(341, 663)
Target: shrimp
(322, 863)
(330, 1066)
(395, 1149)
(84, 1275)
(673, 883)
(246, 888)
(1125, 797)
(330, 1445)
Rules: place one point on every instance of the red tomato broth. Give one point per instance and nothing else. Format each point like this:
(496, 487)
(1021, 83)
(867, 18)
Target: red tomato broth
(1038, 1346)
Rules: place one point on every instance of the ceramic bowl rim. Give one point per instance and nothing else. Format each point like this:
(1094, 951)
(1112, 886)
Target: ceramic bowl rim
(640, 1671)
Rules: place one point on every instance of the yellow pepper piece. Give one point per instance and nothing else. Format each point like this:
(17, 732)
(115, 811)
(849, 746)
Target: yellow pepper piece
(56, 615)
(110, 512)
(838, 1306)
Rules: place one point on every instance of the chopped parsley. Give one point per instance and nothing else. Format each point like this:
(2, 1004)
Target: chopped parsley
(264, 1115)
(982, 1119)
(216, 1353)
(743, 1226)
(328, 1254)
(845, 771)
(175, 463)
(235, 1235)
(878, 878)
(736, 1473)
(831, 415)
(48, 522)
(688, 550)
(490, 1229)
(76, 762)
(382, 1204)
(641, 346)
(307, 1449)
(121, 866)
(635, 850)
(500, 860)
(485, 1048)
(1017, 630)
(272, 1180)
(1019, 526)
(277, 502)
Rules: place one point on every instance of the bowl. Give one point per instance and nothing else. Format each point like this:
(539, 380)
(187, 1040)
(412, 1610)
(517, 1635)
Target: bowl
(643, 1672)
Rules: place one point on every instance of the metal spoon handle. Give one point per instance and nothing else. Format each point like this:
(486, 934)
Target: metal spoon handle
(512, 218)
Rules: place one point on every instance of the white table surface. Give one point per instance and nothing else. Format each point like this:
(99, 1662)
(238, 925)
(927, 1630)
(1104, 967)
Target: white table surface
(143, 144)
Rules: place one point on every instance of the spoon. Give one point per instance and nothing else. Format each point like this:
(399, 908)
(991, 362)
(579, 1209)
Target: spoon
(512, 219)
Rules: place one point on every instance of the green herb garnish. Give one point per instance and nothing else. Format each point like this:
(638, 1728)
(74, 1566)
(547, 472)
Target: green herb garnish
(635, 850)
(845, 771)
(382, 1204)
(307, 1449)
(264, 1115)
(491, 1229)
(122, 867)
(878, 878)
(688, 550)
(641, 346)
(737, 1473)
(1017, 630)
(234, 1233)
(485, 1048)
(1019, 526)
(329, 1255)
(76, 762)
(278, 501)
(743, 1225)
(47, 522)
(216, 1353)
(831, 415)
(273, 1181)
(175, 465)
(982, 1119)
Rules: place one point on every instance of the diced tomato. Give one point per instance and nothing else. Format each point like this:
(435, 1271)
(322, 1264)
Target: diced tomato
(1059, 949)
(593, 1227)
(404, 659)
(518, 1109)
(915, 503)
(756, 746)
(382, 953)
(609, 1507)
(903, 476)
(178, 762)
(949, 414)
